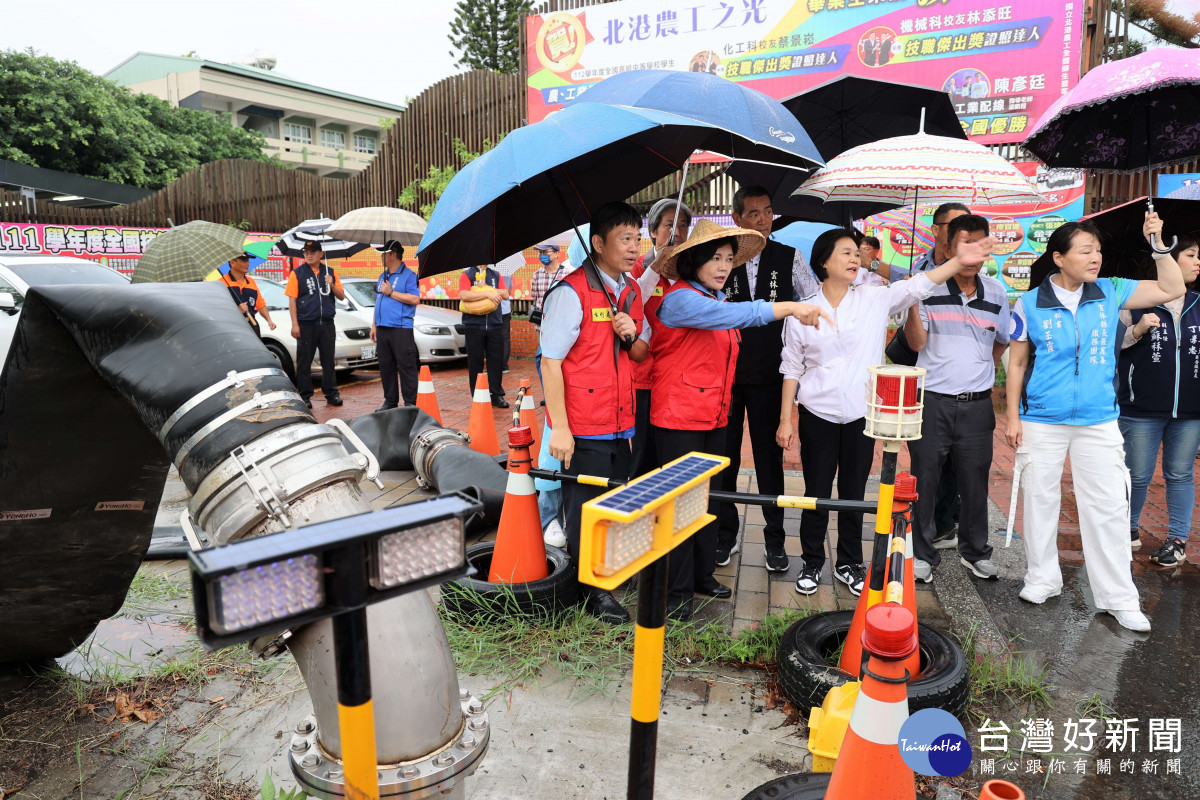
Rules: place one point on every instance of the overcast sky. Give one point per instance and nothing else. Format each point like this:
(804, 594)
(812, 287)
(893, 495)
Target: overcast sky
(380, 49)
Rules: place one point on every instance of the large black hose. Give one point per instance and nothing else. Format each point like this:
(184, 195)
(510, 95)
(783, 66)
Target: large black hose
(390, 436)
(92, 375)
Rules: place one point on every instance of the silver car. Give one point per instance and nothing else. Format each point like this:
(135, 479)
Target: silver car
(439, 332)
(352, 345)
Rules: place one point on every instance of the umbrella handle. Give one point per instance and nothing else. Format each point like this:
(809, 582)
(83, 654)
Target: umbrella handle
(1154, 240)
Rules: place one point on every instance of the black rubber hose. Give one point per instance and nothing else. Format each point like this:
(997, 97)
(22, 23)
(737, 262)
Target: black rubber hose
(389, 435)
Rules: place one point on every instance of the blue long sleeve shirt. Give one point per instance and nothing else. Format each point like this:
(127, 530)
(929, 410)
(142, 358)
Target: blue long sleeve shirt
(709, 312)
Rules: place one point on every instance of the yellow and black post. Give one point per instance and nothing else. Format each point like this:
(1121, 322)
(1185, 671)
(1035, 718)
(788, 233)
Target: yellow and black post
(649, 640)
(351, 658)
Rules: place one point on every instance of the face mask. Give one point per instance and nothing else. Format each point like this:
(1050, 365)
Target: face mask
(544, 258)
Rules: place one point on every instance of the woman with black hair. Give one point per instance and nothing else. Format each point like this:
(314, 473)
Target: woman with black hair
(694, 340)
(1061, 400)
(826, 373)
(1159, 393)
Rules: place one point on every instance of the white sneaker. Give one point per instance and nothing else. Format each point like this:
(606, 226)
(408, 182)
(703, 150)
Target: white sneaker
(922, 571)
(1038, 596)
(554, 535)
(1133, 619)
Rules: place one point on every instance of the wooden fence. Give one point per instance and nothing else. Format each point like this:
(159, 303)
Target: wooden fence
(474, 107)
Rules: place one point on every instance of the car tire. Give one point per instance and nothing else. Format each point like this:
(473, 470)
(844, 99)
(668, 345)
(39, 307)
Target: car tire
(285, 360)
(811, 786)
(474, 598)
(806, 676)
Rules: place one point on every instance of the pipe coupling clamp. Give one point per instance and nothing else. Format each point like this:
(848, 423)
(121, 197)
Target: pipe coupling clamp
(427, 445)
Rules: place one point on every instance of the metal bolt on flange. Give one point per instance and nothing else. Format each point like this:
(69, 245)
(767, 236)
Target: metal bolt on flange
(444, 760)
(475, 706)
(463, 694)
(305, 726)
(478, 724)
(409, 772)
(310, 760)
(468, 741)
(299, 745)
(335, 774)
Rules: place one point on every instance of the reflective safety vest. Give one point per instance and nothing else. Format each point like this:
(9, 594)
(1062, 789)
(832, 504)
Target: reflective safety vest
(693, 374)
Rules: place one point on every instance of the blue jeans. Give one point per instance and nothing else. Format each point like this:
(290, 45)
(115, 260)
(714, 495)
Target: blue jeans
(1180, 439)
(550, 506)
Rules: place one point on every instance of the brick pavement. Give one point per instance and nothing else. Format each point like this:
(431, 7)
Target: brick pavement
(362, 394)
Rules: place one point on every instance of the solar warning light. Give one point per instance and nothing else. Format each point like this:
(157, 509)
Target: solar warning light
(627, 528)
(260, 585)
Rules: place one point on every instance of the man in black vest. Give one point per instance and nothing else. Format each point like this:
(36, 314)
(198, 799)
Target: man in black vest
(779, 273)
(485, 332)
(311, 289)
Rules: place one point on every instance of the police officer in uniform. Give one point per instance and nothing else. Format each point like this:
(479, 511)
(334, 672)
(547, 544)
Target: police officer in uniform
(311, 289)
(398, 293)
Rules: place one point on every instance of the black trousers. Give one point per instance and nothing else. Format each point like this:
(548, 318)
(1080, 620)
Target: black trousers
(397, 357)
(486, 344)
(826, 449)
(690, 565)
(645, 454)
(608, 458)
(962, 430)
(949, 504)
(761, 404)
(507, 338)
(315, 338)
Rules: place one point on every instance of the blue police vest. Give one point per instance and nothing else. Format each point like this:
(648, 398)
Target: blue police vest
(1069, 380)
(314, 295)
(492, 320)
(1160, 375)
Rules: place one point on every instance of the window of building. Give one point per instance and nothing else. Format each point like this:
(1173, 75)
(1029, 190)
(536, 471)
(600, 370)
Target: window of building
(364, 144)
(297, 133)
(334, 139)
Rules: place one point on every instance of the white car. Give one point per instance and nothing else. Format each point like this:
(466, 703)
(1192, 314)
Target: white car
(439, 332)
(19, 272)
(352, 345)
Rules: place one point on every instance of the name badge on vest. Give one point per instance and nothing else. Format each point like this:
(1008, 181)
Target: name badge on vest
(601, 315)
(658, 291)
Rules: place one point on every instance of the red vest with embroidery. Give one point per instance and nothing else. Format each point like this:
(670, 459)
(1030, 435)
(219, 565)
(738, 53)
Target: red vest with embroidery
(598, 386)
(693, 374)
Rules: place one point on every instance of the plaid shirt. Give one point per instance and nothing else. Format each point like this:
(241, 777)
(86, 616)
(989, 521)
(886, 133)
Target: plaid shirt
(541, 283)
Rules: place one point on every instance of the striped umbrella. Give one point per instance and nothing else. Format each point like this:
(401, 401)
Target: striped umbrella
(901, 219)
(378, 224)
(933, 169)
(313, 230)
(188, 252)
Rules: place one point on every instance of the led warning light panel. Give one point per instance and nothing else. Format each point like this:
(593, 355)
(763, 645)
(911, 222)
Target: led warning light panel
(632, 525)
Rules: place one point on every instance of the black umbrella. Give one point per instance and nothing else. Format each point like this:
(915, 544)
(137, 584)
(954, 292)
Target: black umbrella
(851, 110)
(1124, 249)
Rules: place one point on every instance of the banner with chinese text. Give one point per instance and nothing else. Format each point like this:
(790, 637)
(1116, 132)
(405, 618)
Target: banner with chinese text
(1003, 62)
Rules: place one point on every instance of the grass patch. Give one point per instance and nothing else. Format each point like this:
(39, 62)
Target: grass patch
(149, 588)
(519, 650)
(1002, 679)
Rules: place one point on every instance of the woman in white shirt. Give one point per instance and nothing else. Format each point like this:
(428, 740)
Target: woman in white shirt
(826, 374)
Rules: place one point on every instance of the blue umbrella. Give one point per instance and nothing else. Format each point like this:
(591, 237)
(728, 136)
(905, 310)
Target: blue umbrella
(801, 235)
(747, 112)
(551, 176)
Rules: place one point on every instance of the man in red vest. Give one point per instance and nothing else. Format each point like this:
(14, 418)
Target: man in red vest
(592, 330)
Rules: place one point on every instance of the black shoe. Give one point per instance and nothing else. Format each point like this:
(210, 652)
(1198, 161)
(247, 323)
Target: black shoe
(385, 407)
(680, 611)
(724, 553)
(853, 575)
(307, 401)
(606, 607)
(335, 400)
(717, 590)
(1135, 537)
(499, 402)
(777, 559)
(808, 580)
(1170, 554)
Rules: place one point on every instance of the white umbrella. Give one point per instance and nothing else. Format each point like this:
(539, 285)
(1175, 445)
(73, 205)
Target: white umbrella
(378, 224)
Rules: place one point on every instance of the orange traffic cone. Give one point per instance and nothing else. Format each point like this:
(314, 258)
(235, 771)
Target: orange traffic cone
(1001, 790)
(520, 553)
(529, 418)
(869, 764)
(482, 426)
(427, 397)
(906, 492)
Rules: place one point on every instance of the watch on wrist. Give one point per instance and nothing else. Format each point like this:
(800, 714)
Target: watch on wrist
(874, 266)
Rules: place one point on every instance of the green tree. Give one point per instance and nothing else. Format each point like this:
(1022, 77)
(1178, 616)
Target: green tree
(486, 33)
(1155, 18)
(438, 178)
(58, 115)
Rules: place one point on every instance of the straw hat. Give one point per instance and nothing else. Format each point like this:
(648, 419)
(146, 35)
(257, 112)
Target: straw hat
(749, 244)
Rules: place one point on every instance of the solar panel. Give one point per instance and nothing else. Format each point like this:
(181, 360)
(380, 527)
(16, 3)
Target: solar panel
(643, 491)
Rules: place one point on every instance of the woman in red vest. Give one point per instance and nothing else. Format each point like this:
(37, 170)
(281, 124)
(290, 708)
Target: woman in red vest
(694, 340)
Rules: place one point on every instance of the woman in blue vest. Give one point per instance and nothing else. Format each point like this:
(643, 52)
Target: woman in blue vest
(1061, 399)
(1159, 393)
